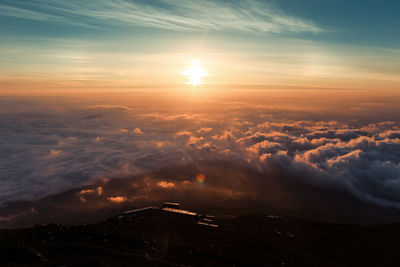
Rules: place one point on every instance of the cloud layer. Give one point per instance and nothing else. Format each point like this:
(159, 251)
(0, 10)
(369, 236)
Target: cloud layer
(49, 146)
(178, 15)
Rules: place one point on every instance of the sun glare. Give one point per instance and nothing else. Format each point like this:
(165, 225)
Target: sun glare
(195, 73)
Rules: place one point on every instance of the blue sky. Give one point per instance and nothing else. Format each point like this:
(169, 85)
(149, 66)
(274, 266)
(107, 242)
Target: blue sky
(358, 22)
(373, 21)
(308, 43)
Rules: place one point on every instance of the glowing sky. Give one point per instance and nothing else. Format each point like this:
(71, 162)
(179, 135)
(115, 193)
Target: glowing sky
(130, 43)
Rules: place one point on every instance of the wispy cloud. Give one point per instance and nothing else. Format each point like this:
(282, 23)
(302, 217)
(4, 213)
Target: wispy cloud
(179, 15)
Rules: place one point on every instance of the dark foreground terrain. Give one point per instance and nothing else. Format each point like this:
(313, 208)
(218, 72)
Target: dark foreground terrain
(160, 238)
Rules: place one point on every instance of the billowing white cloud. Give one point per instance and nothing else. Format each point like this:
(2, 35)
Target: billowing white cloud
(204, 130)
(117, 199)
(164, 184)
(137, 131)
(183, 133)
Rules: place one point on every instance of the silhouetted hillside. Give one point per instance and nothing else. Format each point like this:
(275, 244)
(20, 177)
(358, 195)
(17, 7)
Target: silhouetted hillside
(158, 238)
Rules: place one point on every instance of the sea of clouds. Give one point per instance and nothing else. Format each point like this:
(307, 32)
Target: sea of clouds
(48, 145)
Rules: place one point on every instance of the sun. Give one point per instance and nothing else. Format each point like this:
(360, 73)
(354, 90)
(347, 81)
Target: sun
(195, 73)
